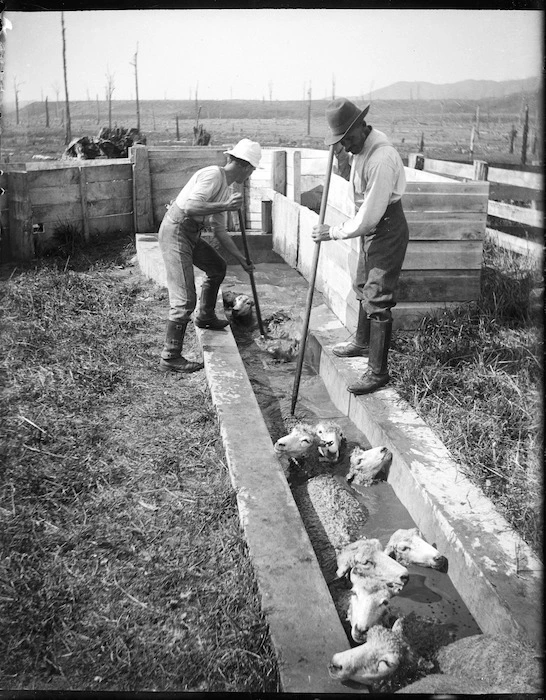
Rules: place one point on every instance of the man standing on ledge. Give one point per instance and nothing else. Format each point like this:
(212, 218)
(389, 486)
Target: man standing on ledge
(207, 193)
(377, 182)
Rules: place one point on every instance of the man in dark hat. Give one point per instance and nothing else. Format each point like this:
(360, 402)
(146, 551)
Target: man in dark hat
(377, 182)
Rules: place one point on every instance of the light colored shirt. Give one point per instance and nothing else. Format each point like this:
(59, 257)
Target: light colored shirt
(377, 179)
(207, 185)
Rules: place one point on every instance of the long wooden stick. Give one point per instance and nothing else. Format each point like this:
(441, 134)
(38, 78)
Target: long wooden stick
(251, 274)
(311, 289)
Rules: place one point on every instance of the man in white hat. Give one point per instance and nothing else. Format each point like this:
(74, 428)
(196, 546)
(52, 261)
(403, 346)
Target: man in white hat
(377, 183)
(208, 193)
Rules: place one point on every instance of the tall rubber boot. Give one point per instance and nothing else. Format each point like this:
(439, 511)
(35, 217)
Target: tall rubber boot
(171, 355)
(207, 318)
(377, 374)
(360, 346)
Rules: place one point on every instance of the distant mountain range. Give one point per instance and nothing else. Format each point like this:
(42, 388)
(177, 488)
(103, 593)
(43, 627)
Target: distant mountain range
(463, 90)
(472, 90)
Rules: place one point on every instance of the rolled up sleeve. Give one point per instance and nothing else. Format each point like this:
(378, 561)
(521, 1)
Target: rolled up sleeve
(376, 199)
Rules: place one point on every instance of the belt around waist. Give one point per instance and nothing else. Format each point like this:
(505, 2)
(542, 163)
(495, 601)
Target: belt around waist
(186, 215)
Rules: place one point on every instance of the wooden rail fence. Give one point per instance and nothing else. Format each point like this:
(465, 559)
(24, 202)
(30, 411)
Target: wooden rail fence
(506, 186)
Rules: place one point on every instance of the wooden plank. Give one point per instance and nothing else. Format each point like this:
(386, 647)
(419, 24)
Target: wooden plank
(443, 202)
(515, 244)
(59, 177)
(122, 171)
(306, 250)
(285, 228)
(42, 196)
(57, 213)
(448, 187)
(534, 181)
(278, 177)
(116, 189)
(20, 216)
(104, 207)
(115, 224)
(297, 177)
(169, 179)
(408, 315)
(142, 190)
(84, 205)
(439, 285)
(420, 255)
(528, 217)
(74, 163)
(435, 228)
(413, 175)
(446, 167)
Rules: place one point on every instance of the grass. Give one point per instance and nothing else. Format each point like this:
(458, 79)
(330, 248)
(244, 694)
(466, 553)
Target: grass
(123, 563)
(474, 374)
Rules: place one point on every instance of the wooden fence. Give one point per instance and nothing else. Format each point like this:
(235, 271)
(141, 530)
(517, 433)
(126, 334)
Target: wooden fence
(506, 187)
(444, 257)
(42, 201)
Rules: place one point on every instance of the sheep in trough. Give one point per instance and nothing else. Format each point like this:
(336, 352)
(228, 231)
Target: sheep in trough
(443, 684)
(409, 547)
(240, 306)
(365, 465)
(332, 516)
(498, 660)
(365, 557)
(367, 604)
(280, 349)
(384, 653)
(299, 443)
(331, 441)
(283, 337)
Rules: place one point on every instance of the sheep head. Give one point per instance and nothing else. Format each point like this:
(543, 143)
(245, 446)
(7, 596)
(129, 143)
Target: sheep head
(409, 547)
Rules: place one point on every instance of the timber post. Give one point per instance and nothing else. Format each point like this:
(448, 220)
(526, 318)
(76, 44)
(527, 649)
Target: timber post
(278, 172)
(481, 170)
(85, 208)
(20, 216)
(142, 189)
(297, 177)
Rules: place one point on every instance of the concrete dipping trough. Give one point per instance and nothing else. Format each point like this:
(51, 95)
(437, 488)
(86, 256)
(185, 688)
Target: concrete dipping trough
(494, 571)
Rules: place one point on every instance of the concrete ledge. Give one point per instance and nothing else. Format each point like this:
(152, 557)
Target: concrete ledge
(303, 621)
(495, 572)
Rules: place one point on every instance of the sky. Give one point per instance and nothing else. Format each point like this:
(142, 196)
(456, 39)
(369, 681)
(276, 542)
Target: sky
(277, 54)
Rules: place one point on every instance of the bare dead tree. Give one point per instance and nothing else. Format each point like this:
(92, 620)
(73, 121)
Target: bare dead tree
(134, 63)
(524, 137)
(57, 89)
(109, 89)
(16, 87)
(68, 128)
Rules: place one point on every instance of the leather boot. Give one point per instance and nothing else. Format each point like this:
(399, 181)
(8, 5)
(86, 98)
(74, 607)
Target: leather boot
(377, 374)
(359, 347)
(207, 318)
(171, 355)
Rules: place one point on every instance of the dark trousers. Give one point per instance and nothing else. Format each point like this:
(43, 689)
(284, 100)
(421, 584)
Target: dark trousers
(380, 261)
(181, 247)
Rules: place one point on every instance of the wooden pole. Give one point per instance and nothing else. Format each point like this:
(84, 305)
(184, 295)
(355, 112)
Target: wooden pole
(524, 137)
(311, 289)
(251, 274)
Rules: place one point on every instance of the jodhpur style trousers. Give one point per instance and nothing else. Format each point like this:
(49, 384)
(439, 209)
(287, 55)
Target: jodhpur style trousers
(381, 257)
(181, 247)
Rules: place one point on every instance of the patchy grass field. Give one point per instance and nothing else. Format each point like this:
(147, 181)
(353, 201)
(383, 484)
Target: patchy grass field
(123, 563)
(474, 374)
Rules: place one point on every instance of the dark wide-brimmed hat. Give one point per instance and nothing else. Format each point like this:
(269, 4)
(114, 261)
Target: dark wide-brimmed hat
(341, 115)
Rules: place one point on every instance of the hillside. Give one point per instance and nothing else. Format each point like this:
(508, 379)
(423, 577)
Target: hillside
(463, 90)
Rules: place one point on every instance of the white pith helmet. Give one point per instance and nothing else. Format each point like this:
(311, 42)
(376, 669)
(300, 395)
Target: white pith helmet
(247, 150)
